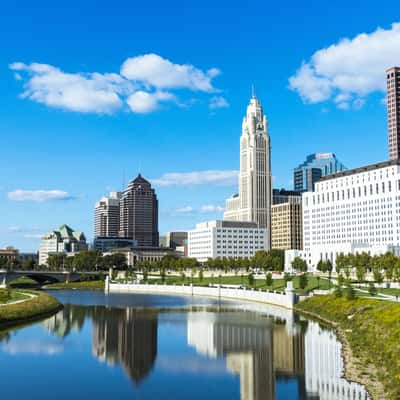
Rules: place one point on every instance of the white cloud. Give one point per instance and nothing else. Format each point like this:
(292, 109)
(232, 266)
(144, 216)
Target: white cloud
(144, 102)
(218, 102)
(153, 70)
(206, 209)
(209, 208)
(87, 93)
(38, 196)
(19, 229)
(211, 177)
(348, 71)
(140, 86)
(184, 210)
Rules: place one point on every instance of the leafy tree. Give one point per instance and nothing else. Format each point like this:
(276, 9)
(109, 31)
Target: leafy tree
(162, 274)
(299, 265)
(251, 280)
(201, 275)
(378, 277)
(350, 293)
(268, 279)
(321, 266)
(28, 264)
(303, 281)
(340, 280)
(372, 289)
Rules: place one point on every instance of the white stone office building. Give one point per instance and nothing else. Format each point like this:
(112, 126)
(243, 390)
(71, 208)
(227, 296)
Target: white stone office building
(350, 212)
(218, 239)
(107, 216)
(253, 203)
(63, 240)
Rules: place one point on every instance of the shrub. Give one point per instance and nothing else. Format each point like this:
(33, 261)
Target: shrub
(303, 281)
(338, 292)
(372, 289)
(5, 295)
(268, 279)
(350, 293)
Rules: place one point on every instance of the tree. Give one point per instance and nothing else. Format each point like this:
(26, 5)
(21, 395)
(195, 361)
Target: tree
(201, 275)
(251, 280)
(28, 264)
(372, 289)
(162, 274)
(299, 265)
(268, 279)
(378, 277)
(321, 266)
(303, 281)
(350, 293)
(340, 280)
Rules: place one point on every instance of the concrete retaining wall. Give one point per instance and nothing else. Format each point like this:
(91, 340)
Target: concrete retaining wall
(287, 299)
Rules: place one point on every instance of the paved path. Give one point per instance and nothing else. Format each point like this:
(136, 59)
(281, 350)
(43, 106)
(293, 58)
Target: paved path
(30, 297)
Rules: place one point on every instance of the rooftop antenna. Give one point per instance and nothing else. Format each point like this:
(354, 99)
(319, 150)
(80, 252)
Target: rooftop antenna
(253, 92)
(123, 179)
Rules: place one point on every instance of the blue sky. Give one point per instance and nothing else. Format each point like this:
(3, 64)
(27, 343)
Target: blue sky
(94, 91)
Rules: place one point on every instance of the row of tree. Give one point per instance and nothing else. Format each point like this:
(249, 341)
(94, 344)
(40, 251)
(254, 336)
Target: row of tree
(385, 266)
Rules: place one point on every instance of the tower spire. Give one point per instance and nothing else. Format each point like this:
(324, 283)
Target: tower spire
(253, 92)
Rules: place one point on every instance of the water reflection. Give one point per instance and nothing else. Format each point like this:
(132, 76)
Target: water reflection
(261, 350)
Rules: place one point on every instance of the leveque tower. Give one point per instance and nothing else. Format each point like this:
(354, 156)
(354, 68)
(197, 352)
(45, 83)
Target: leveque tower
(253, 203)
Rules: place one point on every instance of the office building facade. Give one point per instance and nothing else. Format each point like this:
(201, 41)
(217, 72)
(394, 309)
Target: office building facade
(351, 212)
(63, 240)
(393, 110)
(218, 239)
(253, 203)
(286, 224)
(139, 213)
(107, 216)
(313, 169)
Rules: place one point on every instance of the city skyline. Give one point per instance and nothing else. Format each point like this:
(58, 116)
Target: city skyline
(64, 153)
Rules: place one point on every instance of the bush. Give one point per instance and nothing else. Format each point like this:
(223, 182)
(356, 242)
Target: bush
(303, 281)
(338, 292)
(5, 295)
(268, 279)
(372, 289)
(350, 293)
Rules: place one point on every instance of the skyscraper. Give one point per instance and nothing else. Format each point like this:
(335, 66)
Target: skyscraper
(253, 203)
(316, 166)
(139, 213)
(393, 109)
(106, 216)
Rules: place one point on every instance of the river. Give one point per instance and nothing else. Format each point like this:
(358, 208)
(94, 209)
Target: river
(152, 347)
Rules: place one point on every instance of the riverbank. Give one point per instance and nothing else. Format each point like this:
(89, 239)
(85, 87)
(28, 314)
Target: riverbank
(84, 285)
(370, 333)
(39, 305)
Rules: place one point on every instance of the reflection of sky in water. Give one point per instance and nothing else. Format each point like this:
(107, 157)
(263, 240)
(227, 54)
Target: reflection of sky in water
(151, 350)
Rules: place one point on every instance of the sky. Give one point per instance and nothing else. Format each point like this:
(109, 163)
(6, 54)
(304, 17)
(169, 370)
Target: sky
(94, 92)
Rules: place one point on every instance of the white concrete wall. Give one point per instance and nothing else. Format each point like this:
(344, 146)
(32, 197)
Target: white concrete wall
(286, 299)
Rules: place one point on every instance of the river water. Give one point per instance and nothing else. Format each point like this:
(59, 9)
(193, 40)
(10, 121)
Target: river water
(125, 346)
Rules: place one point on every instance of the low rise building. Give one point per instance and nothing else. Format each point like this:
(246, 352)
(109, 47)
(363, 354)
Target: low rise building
(286, 221)
(235, 239)
(352, 211)
(145, 254)
(177, 240)
(107, 244)
(9, 253)
(62, 240)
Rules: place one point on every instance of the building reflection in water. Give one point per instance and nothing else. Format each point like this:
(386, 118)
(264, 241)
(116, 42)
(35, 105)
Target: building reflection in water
(259, 349)
(127, 337)
(263, 351)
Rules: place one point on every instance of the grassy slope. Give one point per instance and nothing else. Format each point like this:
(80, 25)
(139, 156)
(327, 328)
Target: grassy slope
(278, 284)
(85, 285)
(42, 304)
(373, 334)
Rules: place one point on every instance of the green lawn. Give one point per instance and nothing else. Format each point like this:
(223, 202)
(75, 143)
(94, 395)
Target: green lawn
(390, 291)
(84, 285)
(35, 307)
(372, 328)
(278, 284)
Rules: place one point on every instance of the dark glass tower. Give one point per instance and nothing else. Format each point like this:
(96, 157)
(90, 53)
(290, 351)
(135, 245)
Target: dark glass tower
(139, 213)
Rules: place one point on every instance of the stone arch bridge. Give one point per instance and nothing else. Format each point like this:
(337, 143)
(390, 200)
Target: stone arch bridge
(42, 277)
